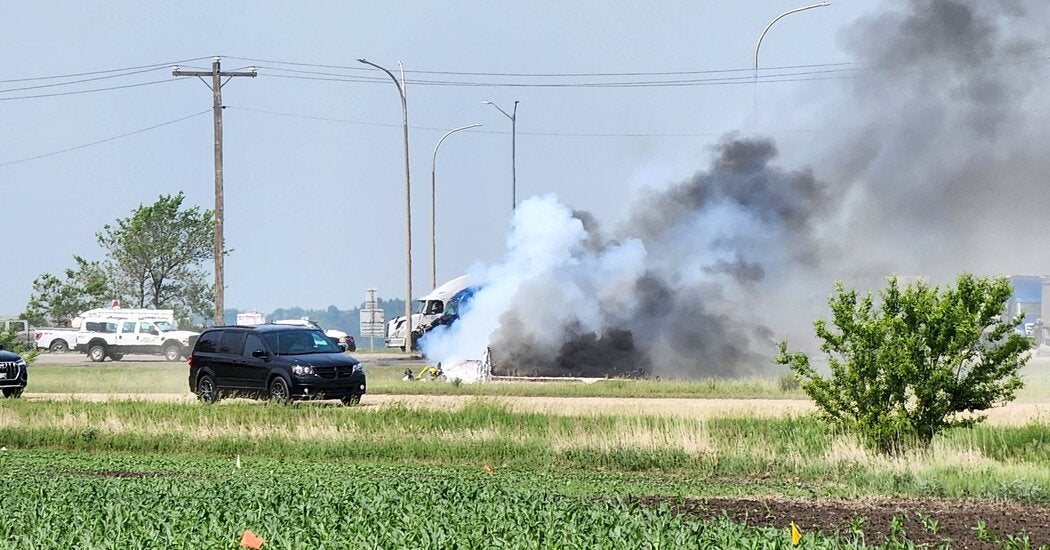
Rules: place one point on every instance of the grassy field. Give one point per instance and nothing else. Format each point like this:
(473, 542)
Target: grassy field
(121, 474)
(158, 377)
(384, 377)
(795, 454)
(136, 473)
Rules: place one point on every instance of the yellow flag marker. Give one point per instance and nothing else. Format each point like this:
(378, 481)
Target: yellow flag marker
(250, 541)
(796, 535)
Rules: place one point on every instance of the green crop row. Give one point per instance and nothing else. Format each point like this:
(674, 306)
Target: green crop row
(86, 500)
(798, 452)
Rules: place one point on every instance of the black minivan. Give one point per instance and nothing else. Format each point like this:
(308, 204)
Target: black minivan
(279, 362)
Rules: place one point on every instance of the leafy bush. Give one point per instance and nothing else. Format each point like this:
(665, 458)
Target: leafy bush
(787, 382)
(903, 369)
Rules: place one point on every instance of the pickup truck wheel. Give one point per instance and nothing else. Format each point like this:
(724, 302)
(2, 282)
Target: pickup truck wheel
(116, 356)
(13, 392)
(206, 391)
(97, 353)
(59, 346)
(352, 400)
(172, 352)
(279, 391)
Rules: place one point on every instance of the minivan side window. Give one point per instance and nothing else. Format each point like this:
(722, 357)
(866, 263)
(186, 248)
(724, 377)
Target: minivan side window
(232, 342)
(208, 342)
(252, 343)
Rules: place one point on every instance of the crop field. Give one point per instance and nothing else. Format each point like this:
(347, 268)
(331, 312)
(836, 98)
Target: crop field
(525, 466)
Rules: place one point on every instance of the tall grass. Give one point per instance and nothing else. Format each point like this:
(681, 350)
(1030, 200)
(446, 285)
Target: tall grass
(172, 378)
(791, 451)
(385, 378)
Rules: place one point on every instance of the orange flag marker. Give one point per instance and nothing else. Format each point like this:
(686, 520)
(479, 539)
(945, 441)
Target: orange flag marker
(249, 540)
(487, 469)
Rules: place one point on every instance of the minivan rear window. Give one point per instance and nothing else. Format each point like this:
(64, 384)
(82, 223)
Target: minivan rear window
(208, 342)
(232, 342)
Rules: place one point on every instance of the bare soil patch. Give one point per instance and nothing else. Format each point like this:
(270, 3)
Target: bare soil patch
(922, 521)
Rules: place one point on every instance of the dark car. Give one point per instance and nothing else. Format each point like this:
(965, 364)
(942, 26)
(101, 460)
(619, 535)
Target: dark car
(12, 373)
(279, 362)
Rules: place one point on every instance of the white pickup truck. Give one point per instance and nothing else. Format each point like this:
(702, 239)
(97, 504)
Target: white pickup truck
(115, 332)
(55, 339)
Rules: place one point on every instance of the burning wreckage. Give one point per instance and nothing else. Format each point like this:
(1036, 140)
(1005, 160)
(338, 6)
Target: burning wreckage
(568, 301)
(701, 275)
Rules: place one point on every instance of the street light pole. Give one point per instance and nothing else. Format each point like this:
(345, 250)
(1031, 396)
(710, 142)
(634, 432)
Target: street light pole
(408, 205)
(778, 18)
(433, 204)
(513, 133)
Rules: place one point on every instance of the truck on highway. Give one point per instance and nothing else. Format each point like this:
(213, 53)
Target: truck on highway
(428, 308)
(55, 339)
(114, 332)
(20, 327)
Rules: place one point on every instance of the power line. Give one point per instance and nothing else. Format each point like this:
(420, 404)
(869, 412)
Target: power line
(92, 90)
(104, 71)
(80, 81)
(552, 75)
(106, 140)
(442, 129)
(562, 134)
(800, 76)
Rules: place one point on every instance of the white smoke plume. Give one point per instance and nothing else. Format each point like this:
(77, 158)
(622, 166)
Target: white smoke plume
(943, 170)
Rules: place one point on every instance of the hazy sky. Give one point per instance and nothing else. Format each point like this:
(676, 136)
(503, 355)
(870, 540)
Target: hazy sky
(314, 178)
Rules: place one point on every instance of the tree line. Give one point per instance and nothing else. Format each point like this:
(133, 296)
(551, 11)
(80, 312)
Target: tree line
(154, 258)
(159, 258)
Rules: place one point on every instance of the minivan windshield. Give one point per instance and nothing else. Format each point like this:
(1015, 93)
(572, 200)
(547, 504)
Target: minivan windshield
(299, 342)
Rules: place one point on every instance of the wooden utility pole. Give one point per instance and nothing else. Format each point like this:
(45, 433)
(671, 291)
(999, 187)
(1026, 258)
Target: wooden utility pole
(216, 91)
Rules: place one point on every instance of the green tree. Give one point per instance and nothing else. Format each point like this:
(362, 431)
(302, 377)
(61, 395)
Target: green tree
(56, 301)
(907, 368)
(156, 256)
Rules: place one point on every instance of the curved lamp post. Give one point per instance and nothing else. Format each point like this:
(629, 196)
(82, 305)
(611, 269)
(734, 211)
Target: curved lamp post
(778, 18)
(408, 204)
(433, 204)
(513, 173)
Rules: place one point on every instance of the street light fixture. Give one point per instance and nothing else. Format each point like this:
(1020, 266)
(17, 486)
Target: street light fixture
(513, 132)
(408, 203)
(433, 204)
(778, 18)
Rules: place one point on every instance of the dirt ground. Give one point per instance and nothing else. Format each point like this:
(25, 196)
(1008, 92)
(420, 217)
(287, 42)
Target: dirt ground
(922, 521)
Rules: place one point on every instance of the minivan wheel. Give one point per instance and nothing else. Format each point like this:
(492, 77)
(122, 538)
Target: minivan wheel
(279, 391)
(352, 400)
(172, 352)
(206, 391)
(97, 353)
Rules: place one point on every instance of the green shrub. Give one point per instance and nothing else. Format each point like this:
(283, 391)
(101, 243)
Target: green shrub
(787, 382)
(903, 369)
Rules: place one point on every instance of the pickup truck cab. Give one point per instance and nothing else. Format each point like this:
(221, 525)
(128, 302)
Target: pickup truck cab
(115, 337)
(23, 332)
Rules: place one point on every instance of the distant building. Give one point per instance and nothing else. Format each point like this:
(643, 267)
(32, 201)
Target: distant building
(250, 318)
